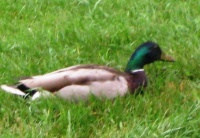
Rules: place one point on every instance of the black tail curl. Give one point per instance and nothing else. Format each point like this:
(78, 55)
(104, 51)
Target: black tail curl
(29, 92)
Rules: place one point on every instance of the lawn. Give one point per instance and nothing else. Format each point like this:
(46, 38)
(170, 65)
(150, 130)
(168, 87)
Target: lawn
(40, 36)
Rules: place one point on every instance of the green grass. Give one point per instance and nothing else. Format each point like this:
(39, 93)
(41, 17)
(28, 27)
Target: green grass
(39, 36)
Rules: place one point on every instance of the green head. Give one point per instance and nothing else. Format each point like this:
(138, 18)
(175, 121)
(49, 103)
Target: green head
(146, 53)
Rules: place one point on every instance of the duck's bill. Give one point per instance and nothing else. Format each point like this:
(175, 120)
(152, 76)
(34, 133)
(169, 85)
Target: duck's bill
(165, 57)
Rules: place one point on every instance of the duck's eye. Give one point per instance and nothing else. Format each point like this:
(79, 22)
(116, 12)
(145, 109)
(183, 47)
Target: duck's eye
(154, 46)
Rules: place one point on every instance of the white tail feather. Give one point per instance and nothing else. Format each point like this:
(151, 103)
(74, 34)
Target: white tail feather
(41, 93)
(36, 96)
(12, 90)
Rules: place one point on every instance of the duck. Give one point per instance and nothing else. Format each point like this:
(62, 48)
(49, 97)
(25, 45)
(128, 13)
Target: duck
(79, 82)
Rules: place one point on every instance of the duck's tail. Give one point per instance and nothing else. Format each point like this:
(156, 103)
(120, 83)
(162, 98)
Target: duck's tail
(33, 94)
(12, 90)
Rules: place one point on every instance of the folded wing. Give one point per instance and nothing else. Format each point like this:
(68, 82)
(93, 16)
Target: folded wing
(79, 81)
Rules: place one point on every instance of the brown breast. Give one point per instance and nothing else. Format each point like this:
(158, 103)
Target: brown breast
(136, 81)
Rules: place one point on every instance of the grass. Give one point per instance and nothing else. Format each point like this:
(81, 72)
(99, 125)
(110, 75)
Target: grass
(41, 36)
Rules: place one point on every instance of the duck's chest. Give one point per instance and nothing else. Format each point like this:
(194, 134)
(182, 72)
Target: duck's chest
(136, 81)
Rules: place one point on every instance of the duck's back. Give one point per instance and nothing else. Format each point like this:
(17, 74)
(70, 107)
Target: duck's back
(77, 82)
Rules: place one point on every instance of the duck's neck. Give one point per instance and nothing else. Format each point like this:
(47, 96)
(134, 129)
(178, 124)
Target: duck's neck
(137, 60)
(134, 64)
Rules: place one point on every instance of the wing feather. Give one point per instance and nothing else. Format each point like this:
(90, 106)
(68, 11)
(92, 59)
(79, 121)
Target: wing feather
(75, 75)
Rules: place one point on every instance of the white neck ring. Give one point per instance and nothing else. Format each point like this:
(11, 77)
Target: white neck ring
(137, 70)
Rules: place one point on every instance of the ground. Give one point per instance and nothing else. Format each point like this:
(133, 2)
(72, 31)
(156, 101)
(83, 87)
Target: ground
(41, 36)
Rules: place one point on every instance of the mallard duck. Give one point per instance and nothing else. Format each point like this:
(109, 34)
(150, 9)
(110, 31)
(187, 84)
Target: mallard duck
(80, 81)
